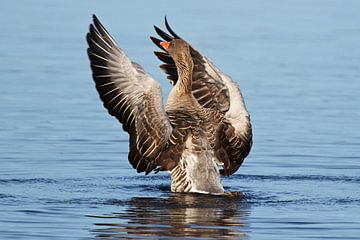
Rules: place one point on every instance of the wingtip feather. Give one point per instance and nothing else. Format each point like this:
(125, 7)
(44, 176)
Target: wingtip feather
(163, 34)
(170, 29)
(156, 42)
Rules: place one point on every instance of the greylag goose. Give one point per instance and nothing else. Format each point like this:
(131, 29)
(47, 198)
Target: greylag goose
(203, 132)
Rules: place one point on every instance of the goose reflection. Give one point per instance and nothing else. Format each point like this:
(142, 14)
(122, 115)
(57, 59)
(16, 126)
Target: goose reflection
(178, 215)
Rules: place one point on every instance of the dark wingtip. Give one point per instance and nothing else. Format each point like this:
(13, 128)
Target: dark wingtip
(163, 34)
(91, 28)
(95, 20)
(156, 42)
(154, 39)
(149, 168)
(169, 29)
(88, 38)
(166, 21)
(165, 57)
(156, 28)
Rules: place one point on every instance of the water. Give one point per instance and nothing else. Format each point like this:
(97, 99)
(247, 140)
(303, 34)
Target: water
(64, 172)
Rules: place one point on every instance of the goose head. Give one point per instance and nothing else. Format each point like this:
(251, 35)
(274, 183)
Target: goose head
(179, 50)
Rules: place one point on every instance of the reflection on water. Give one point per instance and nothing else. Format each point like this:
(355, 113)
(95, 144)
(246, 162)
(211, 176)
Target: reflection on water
(177, 215)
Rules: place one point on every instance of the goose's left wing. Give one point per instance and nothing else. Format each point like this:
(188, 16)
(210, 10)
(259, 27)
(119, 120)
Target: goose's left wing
(132, 96)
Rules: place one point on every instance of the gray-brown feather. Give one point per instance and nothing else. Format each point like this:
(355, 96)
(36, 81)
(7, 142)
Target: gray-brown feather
(232, 148)
(218, 93)
(131, 95)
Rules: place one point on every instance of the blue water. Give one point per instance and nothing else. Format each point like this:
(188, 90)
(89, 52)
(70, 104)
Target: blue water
(64, 172)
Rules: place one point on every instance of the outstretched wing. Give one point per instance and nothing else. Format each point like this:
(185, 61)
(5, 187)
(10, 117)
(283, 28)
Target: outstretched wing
(215, 90)
(131, 95)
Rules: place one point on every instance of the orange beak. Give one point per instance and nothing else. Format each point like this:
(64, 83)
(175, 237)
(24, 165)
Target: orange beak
(165, 45)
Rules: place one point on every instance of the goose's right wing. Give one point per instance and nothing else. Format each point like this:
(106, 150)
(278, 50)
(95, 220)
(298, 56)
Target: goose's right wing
(215, 90)
(131, 95)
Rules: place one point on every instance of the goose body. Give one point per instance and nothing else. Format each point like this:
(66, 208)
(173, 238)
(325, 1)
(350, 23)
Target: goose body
(203, 132)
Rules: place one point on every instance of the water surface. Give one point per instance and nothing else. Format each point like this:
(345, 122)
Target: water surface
(64, 172)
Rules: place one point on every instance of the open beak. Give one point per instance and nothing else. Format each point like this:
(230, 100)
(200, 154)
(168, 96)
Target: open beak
(165, 45)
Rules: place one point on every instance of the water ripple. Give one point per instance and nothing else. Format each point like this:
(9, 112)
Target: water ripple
(314, 178)
(27, 180)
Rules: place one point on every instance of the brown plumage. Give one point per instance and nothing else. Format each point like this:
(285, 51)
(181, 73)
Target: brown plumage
(204, 130)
